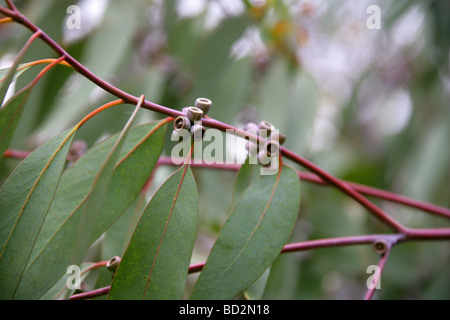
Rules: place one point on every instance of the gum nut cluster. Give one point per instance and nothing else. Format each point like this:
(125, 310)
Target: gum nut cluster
(271, 147)
(191, 120)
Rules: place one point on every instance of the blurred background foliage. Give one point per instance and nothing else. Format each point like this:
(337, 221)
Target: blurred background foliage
(370, 106)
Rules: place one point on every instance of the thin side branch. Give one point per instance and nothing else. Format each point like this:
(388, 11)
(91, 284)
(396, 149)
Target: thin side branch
(11, 5)
(91, 294)
(390, 239)
(377, 276)
(311, 177)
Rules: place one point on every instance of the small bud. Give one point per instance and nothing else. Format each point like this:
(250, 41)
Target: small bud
(76, 150)
(381, 246)
(264, 125)
(185, 110)
(181, 122)
(281, 138)
(203, 104)
(272, 148)
(271, 168)
(198, 132)
(113, 264)
(194, 114)
(263, 158)
(252, 127)
(251, 147)
(183, 134)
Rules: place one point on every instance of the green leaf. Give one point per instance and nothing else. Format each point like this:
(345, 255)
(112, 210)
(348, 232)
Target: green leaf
(93, 204)
(139, 154)
(8, 75)
(53, 252)
(156, 263)
(252, 237)
(11, 110)
(116, 239)
(6, 72)
(25, 199)
(10, 115)
(60, 289)
(246, 175)
(256, 290)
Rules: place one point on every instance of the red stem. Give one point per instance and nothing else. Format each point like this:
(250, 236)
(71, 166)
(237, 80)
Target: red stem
(391, 239)
(45, 70)
(11, 5)
(126, 97)
(344, 187)
(100, 109)
(381, 264)
(306, 176)
(17, 154)
(383, 194)
(311, 177)
(91, 294)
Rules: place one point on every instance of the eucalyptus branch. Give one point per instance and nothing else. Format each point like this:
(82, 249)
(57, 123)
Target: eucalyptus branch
(316, 175)
(313, 178)
(388, 239)
(304, 176)
(381, 265)
(212, 123)
(90, 294)
(16, 154)
(11, 5)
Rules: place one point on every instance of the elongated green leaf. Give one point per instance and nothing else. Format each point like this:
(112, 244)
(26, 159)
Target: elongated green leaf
(156, 262)
(10, 115)
(11, 110)
(91, 206)
(60, 289)
(25, 199)
(246, 175)
(244, 178)
(5, 74)
(256, 290)
(53, 252)
(252, 237)
(143, 142)
(94, 201)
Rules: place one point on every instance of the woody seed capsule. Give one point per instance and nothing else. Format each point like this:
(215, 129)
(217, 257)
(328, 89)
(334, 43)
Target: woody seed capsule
(198, 132)
(181, 122)
(263, 158)
(272, 148)
(194, 114)
(264, 125)
(381, 246)
(113, 264)
(281, 138)
(203, 104)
